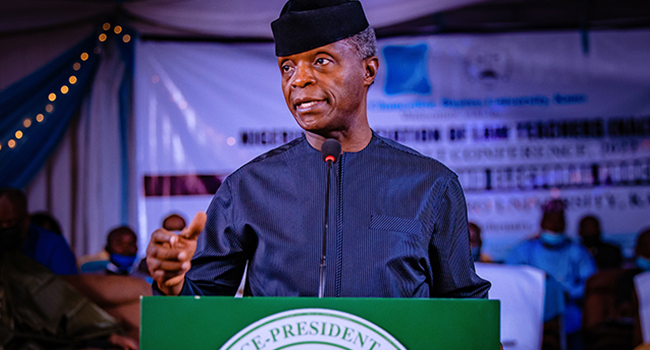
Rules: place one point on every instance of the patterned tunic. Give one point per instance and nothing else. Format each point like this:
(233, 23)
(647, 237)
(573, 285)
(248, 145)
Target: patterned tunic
(397, 227)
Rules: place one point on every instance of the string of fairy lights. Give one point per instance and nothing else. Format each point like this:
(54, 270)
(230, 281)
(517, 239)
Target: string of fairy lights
(28, 122)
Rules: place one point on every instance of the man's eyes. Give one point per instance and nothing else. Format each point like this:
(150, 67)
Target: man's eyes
(322, 61)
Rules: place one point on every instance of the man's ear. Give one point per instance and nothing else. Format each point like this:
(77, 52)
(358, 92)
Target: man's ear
(371, 66)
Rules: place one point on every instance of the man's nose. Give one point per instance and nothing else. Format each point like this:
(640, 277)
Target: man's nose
(303, 76)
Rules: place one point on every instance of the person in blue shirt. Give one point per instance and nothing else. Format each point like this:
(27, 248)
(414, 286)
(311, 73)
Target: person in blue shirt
(17, 233)
(398, 223)
(568, 262)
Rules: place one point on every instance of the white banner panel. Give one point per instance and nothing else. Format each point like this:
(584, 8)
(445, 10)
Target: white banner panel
(520, 118)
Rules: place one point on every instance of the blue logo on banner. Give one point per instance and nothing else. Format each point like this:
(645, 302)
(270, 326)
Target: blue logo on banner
(406, 70)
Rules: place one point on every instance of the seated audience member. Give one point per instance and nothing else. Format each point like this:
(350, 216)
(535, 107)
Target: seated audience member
(476, 243)
(568, 262)
(44, 311)
(607, 255)
(46, 221)
(611, 319)
(626, 299)
(18, 233)
(121, 248)
(118, 295)
(174, 222)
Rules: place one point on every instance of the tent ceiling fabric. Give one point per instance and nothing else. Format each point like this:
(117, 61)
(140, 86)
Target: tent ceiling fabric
(224, 18)
(33, 15)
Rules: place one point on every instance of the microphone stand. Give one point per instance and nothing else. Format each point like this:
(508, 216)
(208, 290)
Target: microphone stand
(331, 150)
(321, 285)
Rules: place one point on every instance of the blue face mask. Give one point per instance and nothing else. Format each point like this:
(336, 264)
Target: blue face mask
(551, 238)
(643, 263)
(123, 262)
(476, 253)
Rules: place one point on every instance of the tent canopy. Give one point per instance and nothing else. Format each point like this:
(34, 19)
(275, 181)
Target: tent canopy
(250, 19)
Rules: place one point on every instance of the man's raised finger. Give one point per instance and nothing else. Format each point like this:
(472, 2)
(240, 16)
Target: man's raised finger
(195, 227)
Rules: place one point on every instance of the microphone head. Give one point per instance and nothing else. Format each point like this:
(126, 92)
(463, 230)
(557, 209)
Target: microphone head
(331, 150)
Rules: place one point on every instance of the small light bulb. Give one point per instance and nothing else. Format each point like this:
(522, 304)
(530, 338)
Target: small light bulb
(84, 56)
(51, 97)
(19, 134)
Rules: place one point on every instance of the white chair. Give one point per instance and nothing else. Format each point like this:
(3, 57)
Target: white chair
(642, 286)
(521, 292)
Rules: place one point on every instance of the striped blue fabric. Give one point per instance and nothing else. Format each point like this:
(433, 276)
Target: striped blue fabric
(397, 227)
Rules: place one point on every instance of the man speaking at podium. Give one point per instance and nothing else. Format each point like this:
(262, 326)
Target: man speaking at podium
(397, 223)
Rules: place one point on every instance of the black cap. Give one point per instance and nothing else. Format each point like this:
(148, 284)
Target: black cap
(307, 24)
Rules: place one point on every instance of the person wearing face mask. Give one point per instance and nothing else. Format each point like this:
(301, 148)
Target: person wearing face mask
(18, 234)
(611, 304)
(626, 299)
(122, 249)
(607, 255)
(566, 261)
(119, 255)
(42, 306)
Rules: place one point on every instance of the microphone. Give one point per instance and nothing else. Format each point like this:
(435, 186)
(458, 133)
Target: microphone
(331, 150)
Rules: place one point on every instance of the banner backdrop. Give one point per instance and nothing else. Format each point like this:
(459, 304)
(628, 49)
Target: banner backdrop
(521, 118)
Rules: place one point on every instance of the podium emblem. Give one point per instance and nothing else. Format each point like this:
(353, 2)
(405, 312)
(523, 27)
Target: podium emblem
(313, 329)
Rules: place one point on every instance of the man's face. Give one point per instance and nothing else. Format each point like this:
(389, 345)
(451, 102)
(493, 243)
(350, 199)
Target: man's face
(589, 229)
(174, 223)
(554, 222)
(325, 88)
(123, 244)
(14, 223)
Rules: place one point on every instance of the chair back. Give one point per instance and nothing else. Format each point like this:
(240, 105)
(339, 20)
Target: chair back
(642, 286)
(521, 292)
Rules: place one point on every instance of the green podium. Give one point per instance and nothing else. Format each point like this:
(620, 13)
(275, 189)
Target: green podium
(254, 323)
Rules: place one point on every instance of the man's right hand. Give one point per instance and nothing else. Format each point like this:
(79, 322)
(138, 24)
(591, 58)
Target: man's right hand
(169, 255)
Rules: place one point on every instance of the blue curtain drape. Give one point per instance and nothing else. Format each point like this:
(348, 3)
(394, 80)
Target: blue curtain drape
(127, 53)
(36, 111)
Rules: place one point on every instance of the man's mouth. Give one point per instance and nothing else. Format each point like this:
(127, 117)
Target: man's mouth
(308, 104)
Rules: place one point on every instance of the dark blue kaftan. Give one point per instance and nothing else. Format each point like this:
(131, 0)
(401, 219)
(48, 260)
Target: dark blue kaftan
(397, 227)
